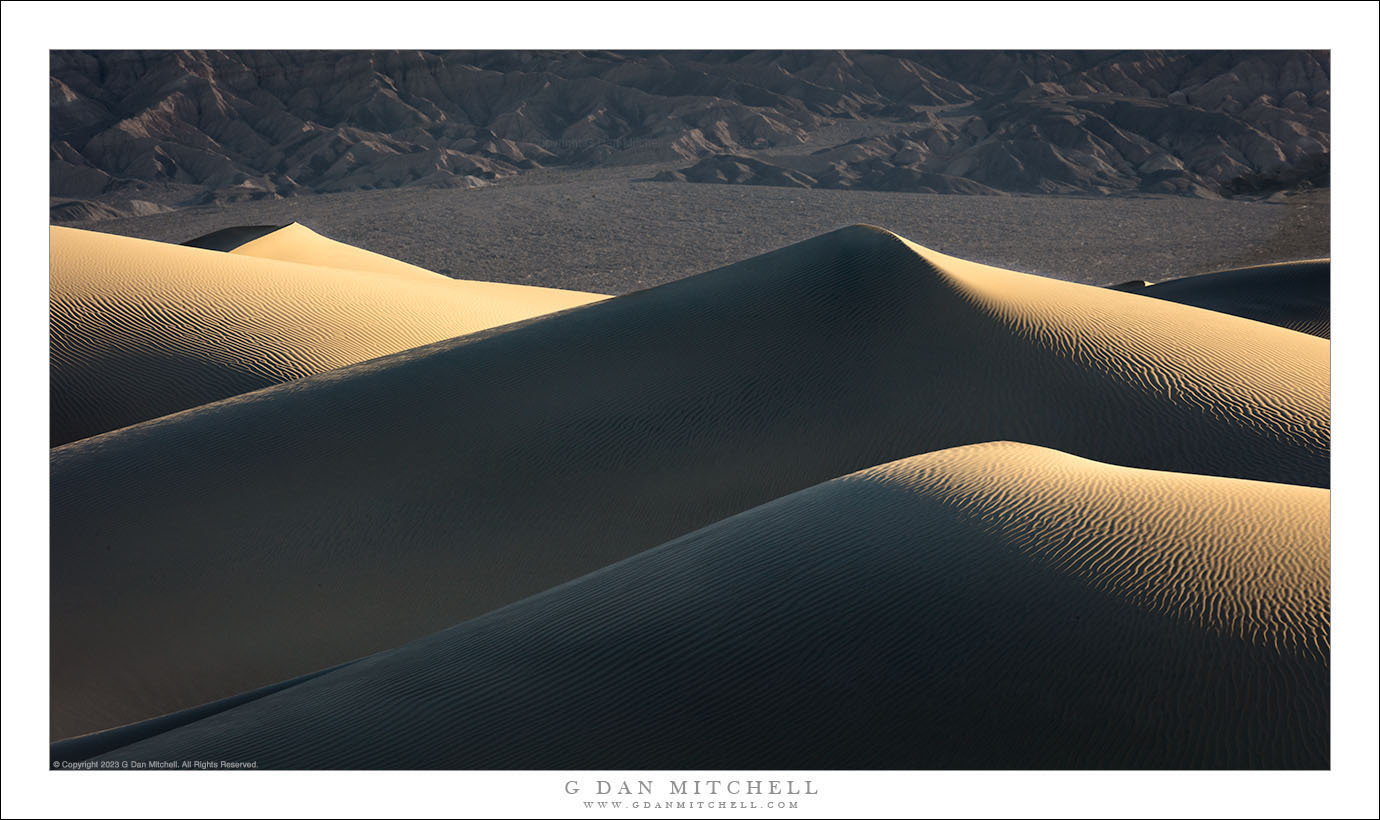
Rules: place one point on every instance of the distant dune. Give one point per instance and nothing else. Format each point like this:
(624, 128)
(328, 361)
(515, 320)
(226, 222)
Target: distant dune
(990, 606)
(227, 239)
(1296, 295)
(142, 329)
(298, 243)
(207, 553)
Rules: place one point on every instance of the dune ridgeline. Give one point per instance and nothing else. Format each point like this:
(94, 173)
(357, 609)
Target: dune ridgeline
(850, 504)
(142, 329)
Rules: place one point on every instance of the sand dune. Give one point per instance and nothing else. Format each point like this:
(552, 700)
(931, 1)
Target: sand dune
(142, 329)
(227, 239)
(1296, 295)
(298, 243)
(366, 507)
(990, 606)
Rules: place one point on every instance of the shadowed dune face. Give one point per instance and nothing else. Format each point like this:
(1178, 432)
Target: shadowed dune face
(143, 329)
(227, 239)
(991, 606)
(1296, 295)
(365, 507)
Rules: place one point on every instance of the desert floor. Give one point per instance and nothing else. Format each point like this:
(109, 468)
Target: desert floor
(612, 230)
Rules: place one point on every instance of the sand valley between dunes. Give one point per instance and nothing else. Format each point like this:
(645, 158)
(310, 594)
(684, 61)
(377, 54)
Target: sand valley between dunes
(851, 503)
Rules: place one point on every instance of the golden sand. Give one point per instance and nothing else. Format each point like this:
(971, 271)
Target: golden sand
(367, 506)
(142, 329)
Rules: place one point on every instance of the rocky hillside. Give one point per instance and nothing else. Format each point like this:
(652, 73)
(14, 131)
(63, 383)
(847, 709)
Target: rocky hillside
(178, 128)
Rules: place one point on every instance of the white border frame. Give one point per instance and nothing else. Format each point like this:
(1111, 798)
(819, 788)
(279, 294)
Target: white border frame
(31, 29)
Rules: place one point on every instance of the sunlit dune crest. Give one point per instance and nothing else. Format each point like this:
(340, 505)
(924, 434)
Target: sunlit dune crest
(298, 243)
(991, 606)
(368, 506)
(142, 329)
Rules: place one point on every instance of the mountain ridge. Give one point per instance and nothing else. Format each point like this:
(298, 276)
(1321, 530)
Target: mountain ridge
(196, 127)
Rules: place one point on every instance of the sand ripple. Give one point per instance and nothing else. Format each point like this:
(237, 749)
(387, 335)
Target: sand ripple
(990, 606)
(142, 329)
(368, 506)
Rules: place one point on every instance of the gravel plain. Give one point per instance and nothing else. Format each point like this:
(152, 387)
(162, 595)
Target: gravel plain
(612, 230)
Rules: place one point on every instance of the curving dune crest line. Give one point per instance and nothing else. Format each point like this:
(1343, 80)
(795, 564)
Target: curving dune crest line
(1296, 295)
(375, 504)
(227, 239)
(991, 606)
(298, 243)
(142, 329)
